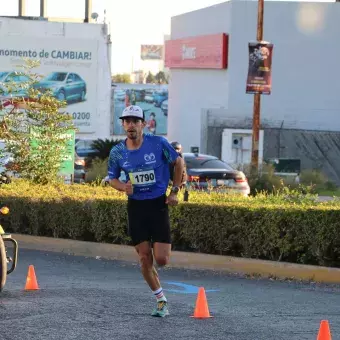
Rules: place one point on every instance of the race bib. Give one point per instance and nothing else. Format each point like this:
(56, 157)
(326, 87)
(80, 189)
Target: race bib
(142, 178)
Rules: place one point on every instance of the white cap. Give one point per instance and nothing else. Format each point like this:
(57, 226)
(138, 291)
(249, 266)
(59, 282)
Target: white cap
(133, 111)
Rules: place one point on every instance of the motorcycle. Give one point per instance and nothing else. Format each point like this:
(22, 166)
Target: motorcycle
(4, 258)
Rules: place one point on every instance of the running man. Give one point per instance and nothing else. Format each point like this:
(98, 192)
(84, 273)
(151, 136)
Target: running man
(145, 160)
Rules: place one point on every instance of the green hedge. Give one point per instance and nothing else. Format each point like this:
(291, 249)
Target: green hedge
(283, 227)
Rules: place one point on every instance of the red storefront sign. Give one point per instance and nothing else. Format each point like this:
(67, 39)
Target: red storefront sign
(205, 52)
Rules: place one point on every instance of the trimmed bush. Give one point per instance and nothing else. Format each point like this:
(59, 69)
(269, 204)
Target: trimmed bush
(287, 226)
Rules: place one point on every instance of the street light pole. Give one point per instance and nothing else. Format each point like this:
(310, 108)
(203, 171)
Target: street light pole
(257, 96)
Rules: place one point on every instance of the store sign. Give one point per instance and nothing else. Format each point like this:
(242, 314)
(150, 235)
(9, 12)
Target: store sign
(259, 78)
(203, 52)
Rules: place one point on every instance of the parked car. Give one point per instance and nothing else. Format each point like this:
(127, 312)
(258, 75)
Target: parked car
(164, 107)
(13, 85)
(149, 98)
(209, 172)
(82, 150)
(79, 172)
(64, 86)
(159, 97)
(119, 95)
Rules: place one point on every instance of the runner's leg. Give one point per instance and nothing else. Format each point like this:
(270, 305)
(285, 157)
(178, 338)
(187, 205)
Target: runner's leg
(160, 234)
(162, 253)
(149, 272)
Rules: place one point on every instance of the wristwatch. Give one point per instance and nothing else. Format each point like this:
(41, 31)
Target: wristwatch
(175, 190)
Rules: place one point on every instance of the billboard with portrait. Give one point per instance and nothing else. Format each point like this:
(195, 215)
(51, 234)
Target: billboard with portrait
(153, 99)
(259, 79)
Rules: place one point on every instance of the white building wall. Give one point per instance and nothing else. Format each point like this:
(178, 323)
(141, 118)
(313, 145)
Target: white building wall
(192, 90)
(94, 34)
(305, 65)
(305, 85)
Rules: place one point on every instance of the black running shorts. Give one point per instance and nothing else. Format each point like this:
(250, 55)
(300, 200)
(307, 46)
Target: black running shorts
(149, 220)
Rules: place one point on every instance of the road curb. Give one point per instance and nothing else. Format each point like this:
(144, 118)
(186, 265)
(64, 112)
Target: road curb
(185, 260)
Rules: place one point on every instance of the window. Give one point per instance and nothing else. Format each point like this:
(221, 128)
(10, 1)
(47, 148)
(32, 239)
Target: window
(206, 163)
(56, 76)
(70, 77)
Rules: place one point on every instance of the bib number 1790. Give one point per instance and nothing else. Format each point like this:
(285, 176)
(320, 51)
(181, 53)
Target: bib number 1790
(142, 178)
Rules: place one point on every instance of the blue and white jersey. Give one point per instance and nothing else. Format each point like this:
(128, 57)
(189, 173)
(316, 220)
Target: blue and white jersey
(147, 167)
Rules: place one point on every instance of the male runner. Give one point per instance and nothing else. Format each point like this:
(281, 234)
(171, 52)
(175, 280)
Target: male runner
(145, 160)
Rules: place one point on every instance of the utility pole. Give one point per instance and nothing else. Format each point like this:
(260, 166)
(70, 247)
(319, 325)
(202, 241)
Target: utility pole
(257, 96)
(22, 8)
(88, 10)
(43, 8)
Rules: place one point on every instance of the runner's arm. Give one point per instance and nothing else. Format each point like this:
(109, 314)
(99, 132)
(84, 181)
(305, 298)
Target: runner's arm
(117, 184)
(175, 159)
(114, 171)
(178, 171)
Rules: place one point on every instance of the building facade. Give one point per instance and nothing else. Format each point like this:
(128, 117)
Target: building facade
(300, 118)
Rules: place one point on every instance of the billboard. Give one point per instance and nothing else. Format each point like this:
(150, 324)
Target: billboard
(151, 52)
(202, 52)
(259, 78)
(153, 99)
(68, 68)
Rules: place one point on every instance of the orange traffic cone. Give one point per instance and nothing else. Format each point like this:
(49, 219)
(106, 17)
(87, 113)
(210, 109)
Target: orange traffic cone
(201, 308)
(324, 331)
(31, 281)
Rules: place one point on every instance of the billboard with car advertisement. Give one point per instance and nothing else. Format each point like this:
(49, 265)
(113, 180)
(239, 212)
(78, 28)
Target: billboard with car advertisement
(153, 99)
(68, 69)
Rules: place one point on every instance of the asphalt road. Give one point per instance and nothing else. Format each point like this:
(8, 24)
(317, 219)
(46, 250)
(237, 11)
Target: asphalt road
(87, 298)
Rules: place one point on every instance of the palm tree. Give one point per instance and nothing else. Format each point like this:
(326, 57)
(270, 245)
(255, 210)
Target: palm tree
(103, 147)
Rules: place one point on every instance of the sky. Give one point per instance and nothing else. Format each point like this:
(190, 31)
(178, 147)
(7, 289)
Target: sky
(132, 22)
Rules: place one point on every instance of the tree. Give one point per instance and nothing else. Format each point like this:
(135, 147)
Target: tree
(34, 129)
(122, 78)
(103, 147)
(102, 150)
(161, 78)
(150, 78)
